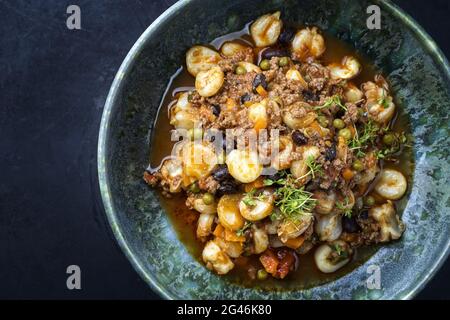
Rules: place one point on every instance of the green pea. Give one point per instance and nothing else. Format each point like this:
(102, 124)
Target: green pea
(265, 64)
(358, 165)
(345, 133)
(389, 139)
(369, 201)
(262, 274)
(323, 121)
(194, 188)
(240, 70)
(208, 198)
(283, 62)
(338, 124)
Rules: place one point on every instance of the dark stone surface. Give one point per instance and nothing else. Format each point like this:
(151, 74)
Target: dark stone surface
(53, 85)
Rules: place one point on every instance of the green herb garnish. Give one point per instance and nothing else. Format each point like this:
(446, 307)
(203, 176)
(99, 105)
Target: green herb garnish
(332, 101)
(338, 249)
(292, 201)
(251, 197)
(344, 207)
(241, 231)
(385, 100)
(274, 216)
(399, 141)
(314, 167)
(281, 179)
(362, 140)
(342, 254)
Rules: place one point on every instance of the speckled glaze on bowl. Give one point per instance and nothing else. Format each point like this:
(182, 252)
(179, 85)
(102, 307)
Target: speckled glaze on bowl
(419, 74)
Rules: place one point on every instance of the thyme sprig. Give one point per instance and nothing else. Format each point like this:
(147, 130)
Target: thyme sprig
(385, 100)
(242, 230)
(344, 207)
(251, 197)
(400, 141)
(292, 201)
(314, 167)
(363, 140)
(341, 254)
(332, 101)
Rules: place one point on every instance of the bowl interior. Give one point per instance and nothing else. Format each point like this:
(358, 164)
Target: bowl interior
(418, 73)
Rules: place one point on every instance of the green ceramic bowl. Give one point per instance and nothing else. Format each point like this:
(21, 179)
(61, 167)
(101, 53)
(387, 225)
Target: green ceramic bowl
(419, 75)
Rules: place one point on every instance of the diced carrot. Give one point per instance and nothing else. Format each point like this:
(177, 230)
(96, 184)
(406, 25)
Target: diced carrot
(347, 174)
(232, 236)
(257, 184)
(219, 231)
(295, 243)
(269, 261)
(261, 91)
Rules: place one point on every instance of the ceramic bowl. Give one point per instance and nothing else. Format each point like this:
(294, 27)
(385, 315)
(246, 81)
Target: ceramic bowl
(419, 75)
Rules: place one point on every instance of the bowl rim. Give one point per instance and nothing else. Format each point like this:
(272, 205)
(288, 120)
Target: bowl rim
(117, 84)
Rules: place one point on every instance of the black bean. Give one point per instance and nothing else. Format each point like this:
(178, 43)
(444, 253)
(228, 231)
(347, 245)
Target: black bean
(216, 110)
(221, 173)
(299, 138)
(330, 153)
(245, 98)
(350, 225)
(310, 96)
(364, 215)
(286, 36)
(227, 187)
(259, 80)
(269, 53)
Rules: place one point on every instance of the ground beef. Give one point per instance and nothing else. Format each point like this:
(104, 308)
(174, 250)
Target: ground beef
(232, 119)
(315, 71)
(279, 86)
(228, 64)
(275, 119)
(207, 116)
(209, 184)
(369, 234)
(351, 115)
(190, 201)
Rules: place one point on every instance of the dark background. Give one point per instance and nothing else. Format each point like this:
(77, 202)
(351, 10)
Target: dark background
(54, 83)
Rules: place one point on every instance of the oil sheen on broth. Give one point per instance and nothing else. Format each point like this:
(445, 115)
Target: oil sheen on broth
(184, 220)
